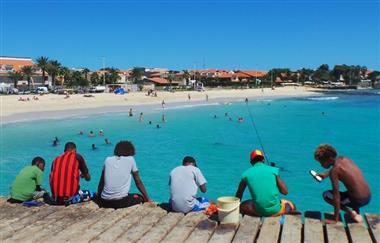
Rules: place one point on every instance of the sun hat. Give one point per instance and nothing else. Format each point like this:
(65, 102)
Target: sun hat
(255, 153)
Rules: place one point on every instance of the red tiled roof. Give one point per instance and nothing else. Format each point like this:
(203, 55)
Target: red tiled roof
(254, 73)
(158, 80)
(15, 63)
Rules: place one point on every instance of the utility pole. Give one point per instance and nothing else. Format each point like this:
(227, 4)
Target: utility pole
(104, 71)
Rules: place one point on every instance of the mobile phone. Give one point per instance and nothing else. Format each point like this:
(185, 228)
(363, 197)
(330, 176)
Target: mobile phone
(315, 175)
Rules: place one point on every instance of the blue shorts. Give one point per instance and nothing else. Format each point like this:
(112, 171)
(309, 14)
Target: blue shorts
(201, 203)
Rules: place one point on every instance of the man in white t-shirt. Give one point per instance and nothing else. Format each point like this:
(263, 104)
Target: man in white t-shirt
(115, 181)
(184, 182)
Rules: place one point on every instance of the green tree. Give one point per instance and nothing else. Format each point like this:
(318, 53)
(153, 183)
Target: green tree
(322, 73)
(85, 72)
(137, 74)
(15, 77)
(42, 63)
(53, 68)
(171, 77)
(374, 76)
(112, 75)
(65, 75)
(94, 79)
(27, 72)
(186, 76)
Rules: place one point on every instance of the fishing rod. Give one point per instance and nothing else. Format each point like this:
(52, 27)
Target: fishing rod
(257, 133)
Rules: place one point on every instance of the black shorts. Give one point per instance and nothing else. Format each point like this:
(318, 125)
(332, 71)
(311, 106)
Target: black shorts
(345, 199)
(130, 200)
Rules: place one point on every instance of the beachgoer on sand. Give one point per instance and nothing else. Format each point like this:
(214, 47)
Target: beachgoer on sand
(65, 173)
(188, 96)
(264, 185)
(27, 184)
(184, 182)
(346, 171)
(115, 181)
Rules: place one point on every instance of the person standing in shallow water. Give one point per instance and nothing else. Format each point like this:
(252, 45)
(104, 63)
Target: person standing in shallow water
(346, 171)
(115, 181)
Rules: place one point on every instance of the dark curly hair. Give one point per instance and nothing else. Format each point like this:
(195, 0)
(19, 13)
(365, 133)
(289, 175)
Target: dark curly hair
(324, 152)
(124, 148)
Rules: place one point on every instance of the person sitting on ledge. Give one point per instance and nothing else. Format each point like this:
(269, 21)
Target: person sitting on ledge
(346, 171)
(264, 184)
(66, 171)
(184, 182)
(115, 181)
(27, 184)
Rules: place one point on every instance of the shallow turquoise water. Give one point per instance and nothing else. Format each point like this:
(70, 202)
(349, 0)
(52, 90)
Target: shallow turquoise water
(290, 130)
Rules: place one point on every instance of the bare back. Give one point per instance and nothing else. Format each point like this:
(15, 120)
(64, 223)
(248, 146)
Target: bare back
(352, 177)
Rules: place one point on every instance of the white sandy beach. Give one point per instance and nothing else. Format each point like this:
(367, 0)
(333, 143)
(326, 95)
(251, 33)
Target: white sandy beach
(52, 106)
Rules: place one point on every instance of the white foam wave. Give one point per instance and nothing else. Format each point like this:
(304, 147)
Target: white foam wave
(188, 106)
(324, 98)
(263, 100)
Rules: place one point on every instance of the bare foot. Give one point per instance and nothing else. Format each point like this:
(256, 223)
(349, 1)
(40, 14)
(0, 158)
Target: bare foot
(357, 217)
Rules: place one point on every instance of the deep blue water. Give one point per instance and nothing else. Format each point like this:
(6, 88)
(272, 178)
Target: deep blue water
(290, 130)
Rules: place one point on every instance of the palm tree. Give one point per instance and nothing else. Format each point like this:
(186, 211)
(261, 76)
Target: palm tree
(53, 69)
(85, 72)
(28, 72)
(42, 63)
(137, 74)
(65, 75)
(15, 77)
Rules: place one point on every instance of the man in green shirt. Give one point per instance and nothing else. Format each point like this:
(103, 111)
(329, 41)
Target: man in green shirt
(27, 185)
(264, 184)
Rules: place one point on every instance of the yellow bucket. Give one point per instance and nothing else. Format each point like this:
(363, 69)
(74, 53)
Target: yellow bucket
(228, 210)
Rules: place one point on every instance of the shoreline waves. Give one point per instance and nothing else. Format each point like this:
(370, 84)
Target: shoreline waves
(55, 107)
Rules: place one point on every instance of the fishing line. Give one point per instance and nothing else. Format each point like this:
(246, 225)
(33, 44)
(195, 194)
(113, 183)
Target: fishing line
(256, 131)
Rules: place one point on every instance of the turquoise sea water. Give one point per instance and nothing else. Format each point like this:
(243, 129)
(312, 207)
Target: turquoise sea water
(290, 129)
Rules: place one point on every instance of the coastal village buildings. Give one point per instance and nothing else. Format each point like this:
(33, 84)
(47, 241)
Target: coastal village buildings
(14, 64)
(141, 78)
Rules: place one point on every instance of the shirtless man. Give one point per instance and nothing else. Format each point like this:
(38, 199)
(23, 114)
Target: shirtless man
(345, 170)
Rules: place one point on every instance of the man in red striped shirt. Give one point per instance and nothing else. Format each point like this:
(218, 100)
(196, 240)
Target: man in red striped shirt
(65, 172)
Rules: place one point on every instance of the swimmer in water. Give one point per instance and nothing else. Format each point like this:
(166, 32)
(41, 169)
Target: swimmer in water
(91, 134)
(163, 118)
(141, 119)
(130, 112)
(93, 146)
(107, 141)
(80, 132)
(101, 132)
(158, 126)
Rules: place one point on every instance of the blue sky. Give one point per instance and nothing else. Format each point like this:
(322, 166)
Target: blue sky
(193, 34)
